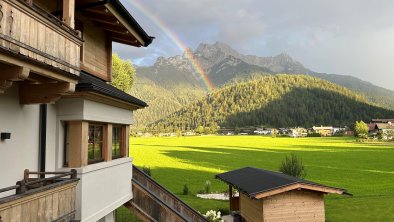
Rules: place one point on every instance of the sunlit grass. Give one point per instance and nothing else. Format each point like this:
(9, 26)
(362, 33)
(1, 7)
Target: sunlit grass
(366, 170)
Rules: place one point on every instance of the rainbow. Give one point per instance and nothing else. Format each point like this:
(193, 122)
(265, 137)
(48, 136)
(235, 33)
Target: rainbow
(176, 40)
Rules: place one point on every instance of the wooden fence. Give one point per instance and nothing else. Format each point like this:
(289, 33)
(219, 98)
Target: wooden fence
(152, 202)
(40, 199)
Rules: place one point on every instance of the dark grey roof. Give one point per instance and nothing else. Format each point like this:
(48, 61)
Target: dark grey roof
(253, 181)
(88, 82)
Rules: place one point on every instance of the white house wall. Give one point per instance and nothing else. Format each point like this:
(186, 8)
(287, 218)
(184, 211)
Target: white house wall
(82, 109)
(21, 151)
(103, 188)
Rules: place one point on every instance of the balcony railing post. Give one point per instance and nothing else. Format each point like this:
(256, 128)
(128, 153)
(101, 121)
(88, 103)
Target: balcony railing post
(22, 187)
(74, 174)
(26, 175)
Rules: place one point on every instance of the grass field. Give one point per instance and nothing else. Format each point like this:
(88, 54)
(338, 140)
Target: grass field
(365, 170)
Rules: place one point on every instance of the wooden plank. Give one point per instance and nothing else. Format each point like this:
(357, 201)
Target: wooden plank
(49, 208)
(41, 212)
(55, 205)
(16, 213)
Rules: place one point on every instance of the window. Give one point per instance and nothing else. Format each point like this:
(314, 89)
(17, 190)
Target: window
(116, 142)
(95, 143)
(66, 144)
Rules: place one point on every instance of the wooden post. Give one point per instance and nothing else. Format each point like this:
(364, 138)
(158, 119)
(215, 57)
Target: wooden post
(74, 174)
(107, 143)
(26, 175)
(68, 12)
(78, 151)
(22, 187)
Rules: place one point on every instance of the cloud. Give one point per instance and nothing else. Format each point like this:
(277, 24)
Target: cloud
(353, 37)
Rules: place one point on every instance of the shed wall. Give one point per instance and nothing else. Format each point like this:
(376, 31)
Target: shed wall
(251, 210)
(296, 205)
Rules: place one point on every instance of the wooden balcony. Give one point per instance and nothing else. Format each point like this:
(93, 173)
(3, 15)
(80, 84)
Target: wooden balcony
(40, 199)
(33, 35)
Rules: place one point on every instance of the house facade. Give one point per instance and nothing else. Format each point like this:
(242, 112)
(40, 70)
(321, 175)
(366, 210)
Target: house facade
(59, 117)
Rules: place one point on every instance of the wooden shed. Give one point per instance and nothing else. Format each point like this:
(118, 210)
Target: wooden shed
(272, 196)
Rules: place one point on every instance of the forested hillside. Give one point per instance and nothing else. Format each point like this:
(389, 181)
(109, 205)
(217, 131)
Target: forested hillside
(278, 101)
(162, 101)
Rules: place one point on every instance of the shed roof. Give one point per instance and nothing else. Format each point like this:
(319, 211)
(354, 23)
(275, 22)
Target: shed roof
(259, 183)
(91, 83)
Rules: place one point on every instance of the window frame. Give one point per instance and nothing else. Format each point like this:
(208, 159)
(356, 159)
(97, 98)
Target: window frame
(120, 140)
(102, 142)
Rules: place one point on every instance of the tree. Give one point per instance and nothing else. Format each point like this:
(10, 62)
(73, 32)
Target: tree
(293, 166)
(361, 129)
(123, 73)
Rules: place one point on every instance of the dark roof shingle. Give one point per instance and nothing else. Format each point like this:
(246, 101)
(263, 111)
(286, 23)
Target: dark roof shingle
(88, 82)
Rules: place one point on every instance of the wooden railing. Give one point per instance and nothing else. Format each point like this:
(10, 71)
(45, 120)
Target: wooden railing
(41, 199)
(30, 32)
(152, 202)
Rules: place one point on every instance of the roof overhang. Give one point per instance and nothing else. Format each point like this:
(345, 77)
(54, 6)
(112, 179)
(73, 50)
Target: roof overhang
(115, 20)
(298, 186)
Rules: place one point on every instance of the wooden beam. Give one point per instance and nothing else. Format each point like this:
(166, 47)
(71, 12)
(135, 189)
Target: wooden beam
(69, 12)
(14, 73)
(44, 93)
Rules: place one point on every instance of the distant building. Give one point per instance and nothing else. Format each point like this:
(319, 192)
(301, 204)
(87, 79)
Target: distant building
(267, 195)
(322, 130)
(386, 130)
(263, 131)
(298, 132)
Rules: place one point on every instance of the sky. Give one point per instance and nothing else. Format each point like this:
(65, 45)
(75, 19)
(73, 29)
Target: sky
(352, 37)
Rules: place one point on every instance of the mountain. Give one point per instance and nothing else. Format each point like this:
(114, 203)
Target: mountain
(224, 65)
(274, 100)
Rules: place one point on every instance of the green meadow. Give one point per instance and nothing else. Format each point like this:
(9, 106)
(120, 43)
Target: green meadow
(365, 169)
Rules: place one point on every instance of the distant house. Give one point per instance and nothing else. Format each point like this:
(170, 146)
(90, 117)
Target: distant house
(385, 129)
(189, 133)
(263, 131)
(322, 130)
(298, 132)
(267, 196)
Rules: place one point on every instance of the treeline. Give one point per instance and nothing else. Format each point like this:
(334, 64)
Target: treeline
(277, 101)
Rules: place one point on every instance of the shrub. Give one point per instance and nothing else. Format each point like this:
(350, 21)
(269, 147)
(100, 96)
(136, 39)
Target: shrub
(293, 166)
(147, 170)
(185, 190)
(207, 186)
(213, 216)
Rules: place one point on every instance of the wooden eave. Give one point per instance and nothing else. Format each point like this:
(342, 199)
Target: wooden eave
(299, 186)
(117, 28)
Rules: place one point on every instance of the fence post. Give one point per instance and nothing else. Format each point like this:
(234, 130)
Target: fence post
(26, 175)
(22, 187)
(74, 174)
